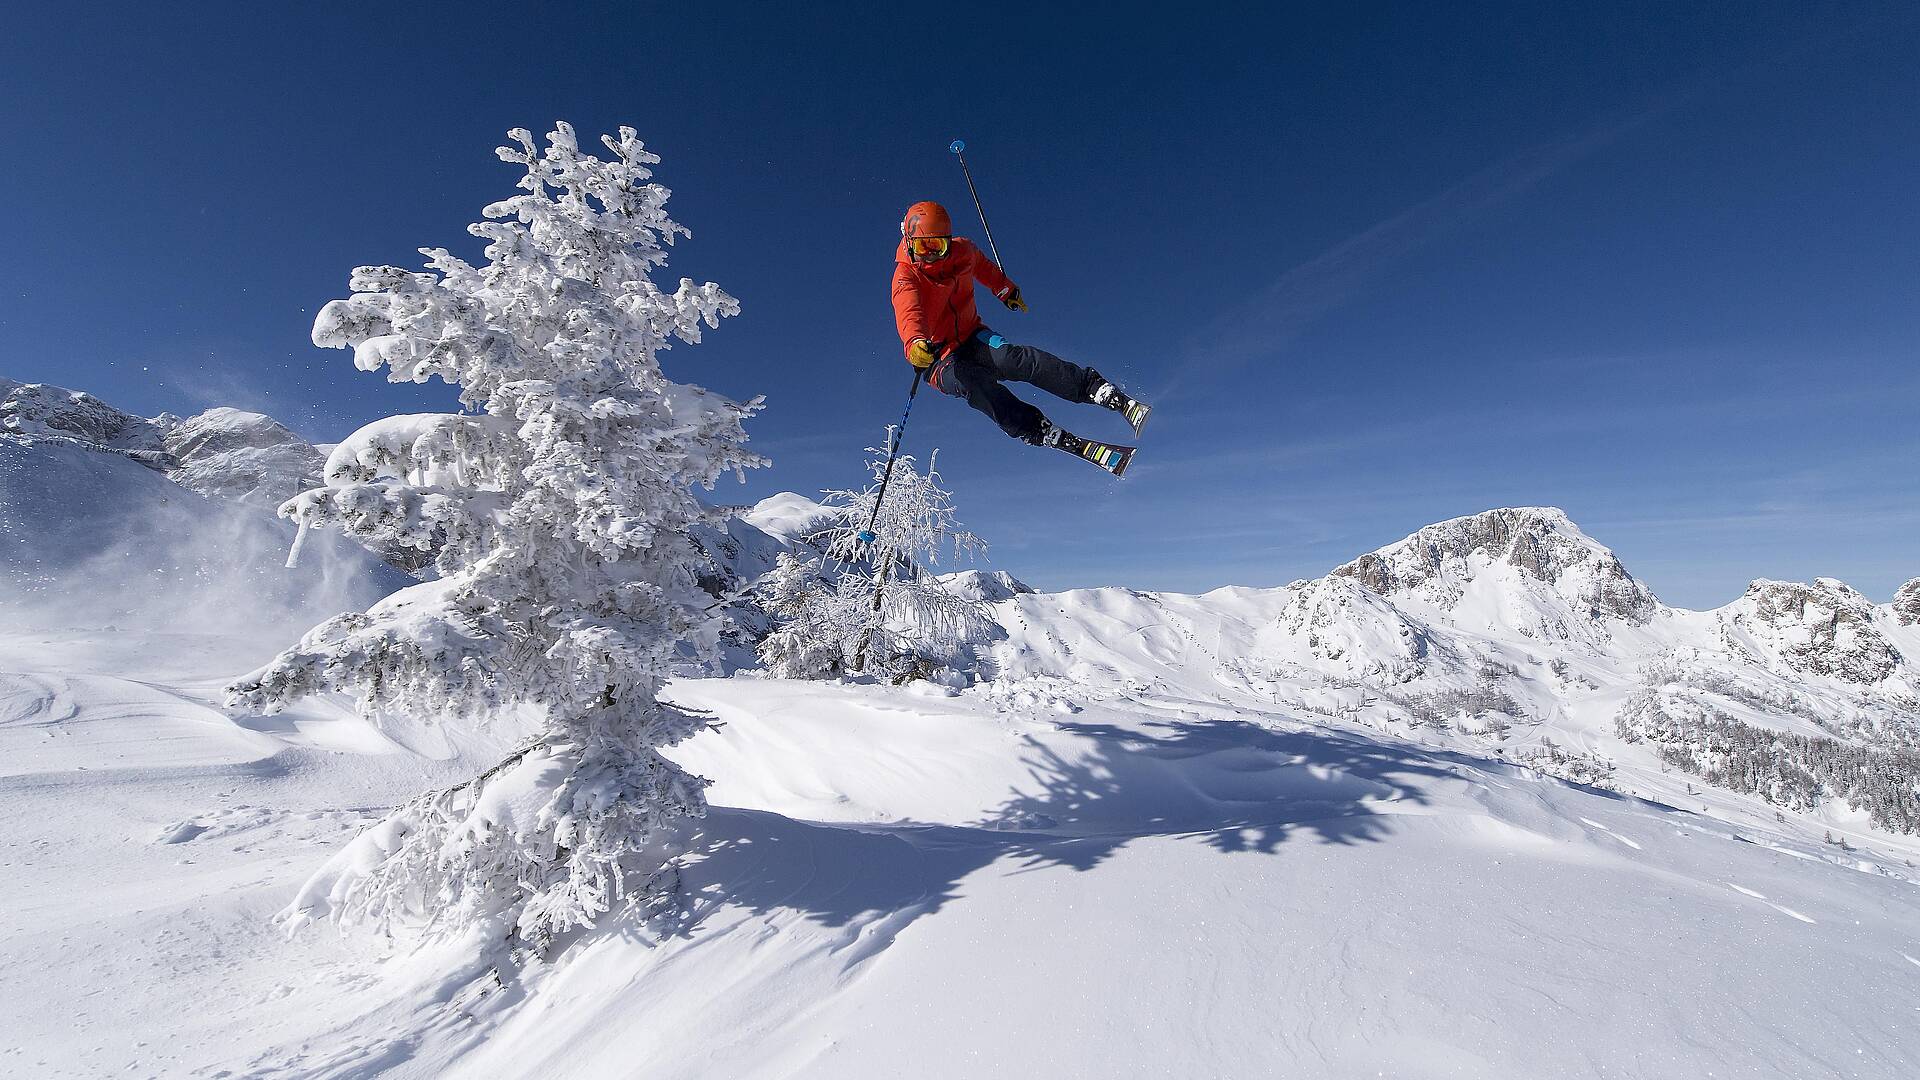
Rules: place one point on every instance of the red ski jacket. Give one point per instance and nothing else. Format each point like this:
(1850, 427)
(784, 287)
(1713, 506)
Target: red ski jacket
(935, 300)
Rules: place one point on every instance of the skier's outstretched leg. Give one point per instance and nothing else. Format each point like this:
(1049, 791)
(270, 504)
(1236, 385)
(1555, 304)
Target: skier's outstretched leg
(967, 374)
(1036, 367)
(1024, 363)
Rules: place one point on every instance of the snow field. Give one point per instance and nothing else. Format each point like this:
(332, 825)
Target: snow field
(1123, 893)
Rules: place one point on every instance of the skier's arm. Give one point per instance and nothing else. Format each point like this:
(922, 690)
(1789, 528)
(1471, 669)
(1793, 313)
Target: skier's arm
(988, 273)
(908, 316)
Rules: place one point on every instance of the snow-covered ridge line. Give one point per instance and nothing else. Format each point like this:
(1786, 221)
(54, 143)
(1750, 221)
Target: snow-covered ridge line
(223, 452)
(1512, 634)
(1189, 772)
(44, 409)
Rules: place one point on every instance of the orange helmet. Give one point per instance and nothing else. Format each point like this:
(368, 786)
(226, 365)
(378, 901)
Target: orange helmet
(926, 219)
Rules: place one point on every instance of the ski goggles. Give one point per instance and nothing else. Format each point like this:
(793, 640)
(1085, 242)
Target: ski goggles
(929, 247)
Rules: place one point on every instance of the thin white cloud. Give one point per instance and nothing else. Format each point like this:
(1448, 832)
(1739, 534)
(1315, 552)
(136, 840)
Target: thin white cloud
(209, 384)
(1311, 289)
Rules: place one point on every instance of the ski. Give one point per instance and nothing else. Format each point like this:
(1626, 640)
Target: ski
(1108, 456)
(1114, 459)
(1136, 414)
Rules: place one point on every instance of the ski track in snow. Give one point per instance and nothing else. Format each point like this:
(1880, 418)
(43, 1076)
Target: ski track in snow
(151, 839)
(1629, 841)
(1787, 911)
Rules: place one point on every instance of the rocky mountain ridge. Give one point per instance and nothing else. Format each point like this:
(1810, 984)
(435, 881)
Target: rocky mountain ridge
(1440, 562)
(224, 453)
(1825, 628)
(246, 456)
(57, 412)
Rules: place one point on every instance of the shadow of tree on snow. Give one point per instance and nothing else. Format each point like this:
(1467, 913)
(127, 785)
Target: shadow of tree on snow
(1237, 787)
(1233, 785)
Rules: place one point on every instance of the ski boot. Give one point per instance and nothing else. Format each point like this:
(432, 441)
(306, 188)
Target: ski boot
(1103, 393)
(1114, 459)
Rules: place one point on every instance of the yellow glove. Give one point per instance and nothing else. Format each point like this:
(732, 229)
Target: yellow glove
(1014, 301)
(922, 353)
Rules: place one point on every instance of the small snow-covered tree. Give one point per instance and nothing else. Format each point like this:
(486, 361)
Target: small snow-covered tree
(874, 605)
(558, 513)
(812, 620)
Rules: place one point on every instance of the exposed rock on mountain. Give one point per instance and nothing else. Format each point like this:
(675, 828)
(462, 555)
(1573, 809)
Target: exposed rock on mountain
(737, 553)
(239, 455)
(1441, 564)
(42, 409)
(1825, 628)
(1906, 603)
(1351, 628)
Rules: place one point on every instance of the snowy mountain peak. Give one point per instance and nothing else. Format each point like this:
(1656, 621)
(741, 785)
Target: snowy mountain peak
(1505, 549)
(987, 586)
(44, 409)
(791, 517)
(220, 429)
(1906, 603)
(1825, 628)
(242, 455)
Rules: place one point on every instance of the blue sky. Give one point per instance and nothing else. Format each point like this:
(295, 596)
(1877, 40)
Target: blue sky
(1376, 265)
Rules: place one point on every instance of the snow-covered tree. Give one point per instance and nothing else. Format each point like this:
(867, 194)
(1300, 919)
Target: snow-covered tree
(558, 512)
(812, 622)
(873, 605)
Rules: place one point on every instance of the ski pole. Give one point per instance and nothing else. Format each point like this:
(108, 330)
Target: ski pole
(959, 149)
(865, 535)
(879, 596)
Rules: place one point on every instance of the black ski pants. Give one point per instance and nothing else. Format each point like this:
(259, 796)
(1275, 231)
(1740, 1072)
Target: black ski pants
(977, 367)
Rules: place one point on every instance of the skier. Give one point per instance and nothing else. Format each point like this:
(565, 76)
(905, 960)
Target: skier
(933, 306)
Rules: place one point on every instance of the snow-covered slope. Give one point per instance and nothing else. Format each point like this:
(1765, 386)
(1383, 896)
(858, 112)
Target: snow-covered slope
(1306, 831)
(94, 538)
(1071, 884)
(146, 828)
(223, 453)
